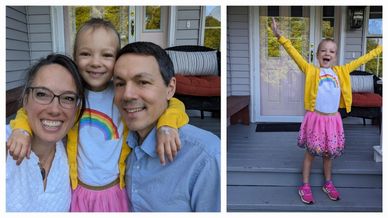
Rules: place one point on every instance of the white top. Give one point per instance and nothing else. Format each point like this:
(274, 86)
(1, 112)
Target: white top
(24, 183)
(329, 91)
(100, 139)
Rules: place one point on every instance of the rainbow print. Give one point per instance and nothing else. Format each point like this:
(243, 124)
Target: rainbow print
(328, 78)
(100, 121)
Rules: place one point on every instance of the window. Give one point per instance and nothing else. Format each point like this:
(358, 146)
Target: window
(299, 30)
(328, 22)
(152, 18)
(212, 29)
(273, 45)
(374, 38)
(78, 15)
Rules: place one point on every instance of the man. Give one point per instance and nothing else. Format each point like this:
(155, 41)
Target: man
(144, 82)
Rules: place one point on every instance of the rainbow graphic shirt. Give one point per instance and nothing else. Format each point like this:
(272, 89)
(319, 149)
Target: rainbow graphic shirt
(328, 95)
(101, 121)
(328, 78)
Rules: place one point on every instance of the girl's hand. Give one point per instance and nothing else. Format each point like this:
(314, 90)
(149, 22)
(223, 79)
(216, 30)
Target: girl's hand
(19, 145)
(168, 143)
(275, 28)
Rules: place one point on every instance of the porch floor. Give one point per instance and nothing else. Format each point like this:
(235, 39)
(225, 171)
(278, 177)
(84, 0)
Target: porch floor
(264, 169)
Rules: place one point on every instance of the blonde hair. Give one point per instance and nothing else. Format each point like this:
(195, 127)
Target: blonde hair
(95, 23)
(325, 40)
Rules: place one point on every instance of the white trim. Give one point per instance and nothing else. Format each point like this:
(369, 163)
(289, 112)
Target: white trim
(172, 27)
(365, 33)
(254, 49)
(132, 10)
(138, 23)
(202, 26)
(342, 34)
(57, 28)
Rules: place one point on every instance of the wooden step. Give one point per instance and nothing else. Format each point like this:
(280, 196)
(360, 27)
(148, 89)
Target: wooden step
(267, 198)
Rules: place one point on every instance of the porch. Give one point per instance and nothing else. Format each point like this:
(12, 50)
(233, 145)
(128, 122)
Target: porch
(264, 169)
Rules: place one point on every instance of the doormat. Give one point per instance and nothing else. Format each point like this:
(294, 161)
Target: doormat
(277, 127)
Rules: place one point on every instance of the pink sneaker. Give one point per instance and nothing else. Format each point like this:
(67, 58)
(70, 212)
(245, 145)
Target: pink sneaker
(305, 194)
(331, 191)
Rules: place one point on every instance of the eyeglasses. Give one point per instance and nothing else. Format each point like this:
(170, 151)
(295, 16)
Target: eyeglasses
(45, 96)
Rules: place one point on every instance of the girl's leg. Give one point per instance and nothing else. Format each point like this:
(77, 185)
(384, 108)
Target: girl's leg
(327, 163)
(307, 163)
(329, 187)
(304, 190)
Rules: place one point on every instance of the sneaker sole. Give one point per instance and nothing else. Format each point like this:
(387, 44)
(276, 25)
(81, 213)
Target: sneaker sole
(301, 198)
(327, 192)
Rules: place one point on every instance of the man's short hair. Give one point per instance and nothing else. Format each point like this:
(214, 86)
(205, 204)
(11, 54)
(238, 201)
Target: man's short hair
(166, 66)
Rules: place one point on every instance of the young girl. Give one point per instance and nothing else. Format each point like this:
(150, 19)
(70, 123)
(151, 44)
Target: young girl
(326, 89)
(97, 164)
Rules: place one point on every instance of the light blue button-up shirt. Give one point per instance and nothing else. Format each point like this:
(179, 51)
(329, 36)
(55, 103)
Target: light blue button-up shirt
(190, 183)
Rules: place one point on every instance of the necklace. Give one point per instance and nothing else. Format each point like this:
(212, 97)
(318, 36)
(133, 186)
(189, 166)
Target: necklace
(42, 171)
(46, 164)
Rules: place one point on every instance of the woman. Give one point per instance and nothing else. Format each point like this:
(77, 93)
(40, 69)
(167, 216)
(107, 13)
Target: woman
(53, 98)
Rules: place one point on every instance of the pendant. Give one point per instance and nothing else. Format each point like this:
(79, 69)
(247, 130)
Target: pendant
(42, 171)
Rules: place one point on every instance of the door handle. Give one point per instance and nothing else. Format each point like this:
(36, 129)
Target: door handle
(311, 53)
(132, 28)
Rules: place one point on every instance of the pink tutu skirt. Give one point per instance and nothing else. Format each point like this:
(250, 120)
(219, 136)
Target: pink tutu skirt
(112, 199)
(322, 135)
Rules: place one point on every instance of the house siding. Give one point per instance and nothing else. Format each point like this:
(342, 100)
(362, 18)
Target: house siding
(188, 35)
(17, 46)
(238, 66)
(353, 45)
(28, 38)
(39, 27)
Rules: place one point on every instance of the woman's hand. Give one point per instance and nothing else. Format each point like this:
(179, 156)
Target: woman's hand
(19, 145)
(168, 143)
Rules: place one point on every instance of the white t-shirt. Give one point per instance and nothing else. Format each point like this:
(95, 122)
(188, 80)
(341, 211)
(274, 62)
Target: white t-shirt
(100, 139)
(329, 91)
(24, 183)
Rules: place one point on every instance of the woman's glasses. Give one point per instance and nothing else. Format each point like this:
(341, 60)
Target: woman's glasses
(45, 96)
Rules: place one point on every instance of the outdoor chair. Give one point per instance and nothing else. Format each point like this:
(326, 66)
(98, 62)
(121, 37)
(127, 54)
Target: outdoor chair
(198, 77)
(367, 96)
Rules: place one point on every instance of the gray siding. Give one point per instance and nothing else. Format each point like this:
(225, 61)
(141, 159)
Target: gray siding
(238, 51)
(40, 31)
(28, 38)
(191, 35)
(17, 46)
(353, 45)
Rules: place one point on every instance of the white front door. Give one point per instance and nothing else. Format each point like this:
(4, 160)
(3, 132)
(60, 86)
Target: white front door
(279, 84)
(149, 23)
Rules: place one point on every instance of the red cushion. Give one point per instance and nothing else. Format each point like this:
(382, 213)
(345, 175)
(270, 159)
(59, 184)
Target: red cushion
(198, 85)
(366, 100)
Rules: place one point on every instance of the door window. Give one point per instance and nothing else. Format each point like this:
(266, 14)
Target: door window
(77, 15)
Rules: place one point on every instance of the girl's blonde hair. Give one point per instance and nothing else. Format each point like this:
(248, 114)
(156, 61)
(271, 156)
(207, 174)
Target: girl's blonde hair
(95, 23)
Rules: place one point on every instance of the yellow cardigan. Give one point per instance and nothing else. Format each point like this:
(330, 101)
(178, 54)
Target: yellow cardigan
(312, 75)
(174, 116)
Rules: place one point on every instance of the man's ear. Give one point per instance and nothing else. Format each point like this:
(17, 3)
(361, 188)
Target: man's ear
(171, 88)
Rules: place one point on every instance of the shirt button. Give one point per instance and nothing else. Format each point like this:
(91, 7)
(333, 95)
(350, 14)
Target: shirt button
(137, 167)
(135, 191)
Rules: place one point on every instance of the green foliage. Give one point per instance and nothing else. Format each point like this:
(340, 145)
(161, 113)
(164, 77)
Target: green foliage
(374, 66)
(327, 29)
(117, 15)
(212, 34)
(273, 44)
(82, 14)
(152, 17)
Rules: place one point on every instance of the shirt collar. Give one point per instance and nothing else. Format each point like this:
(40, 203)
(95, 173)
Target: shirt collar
(149, 144)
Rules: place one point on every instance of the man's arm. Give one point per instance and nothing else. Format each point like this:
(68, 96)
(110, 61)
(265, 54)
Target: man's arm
(206, 194)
